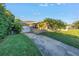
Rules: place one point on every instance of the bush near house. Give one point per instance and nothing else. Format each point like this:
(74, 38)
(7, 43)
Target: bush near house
(17, 26)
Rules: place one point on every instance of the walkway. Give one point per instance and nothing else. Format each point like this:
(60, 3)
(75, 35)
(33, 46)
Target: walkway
(51, 47)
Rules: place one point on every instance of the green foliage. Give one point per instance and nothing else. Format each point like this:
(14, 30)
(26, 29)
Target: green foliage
(2, 7)
(55, 23)
(61, 24)
(18, 45)
(76, 24)
(8, 23)
(17, 26)
(3, 28)
(6, 20)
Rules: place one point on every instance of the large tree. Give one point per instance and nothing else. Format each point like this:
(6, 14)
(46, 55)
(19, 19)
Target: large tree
(54, 23)
(7, 22)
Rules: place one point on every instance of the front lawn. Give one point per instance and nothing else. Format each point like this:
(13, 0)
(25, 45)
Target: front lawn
(18, 45)
(65, 37)
(71, 32)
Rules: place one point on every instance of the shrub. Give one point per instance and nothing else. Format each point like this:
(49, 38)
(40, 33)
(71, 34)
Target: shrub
(8, 23)
(17, 26)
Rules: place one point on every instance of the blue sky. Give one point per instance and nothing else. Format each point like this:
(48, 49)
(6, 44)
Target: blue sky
(37, 12)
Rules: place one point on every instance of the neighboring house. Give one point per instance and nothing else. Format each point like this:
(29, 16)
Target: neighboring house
(28, 26)
(26, 29)
(28, 23)
(69, 27)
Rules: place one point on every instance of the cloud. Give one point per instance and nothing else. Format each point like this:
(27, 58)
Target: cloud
(52, 4)
(44, 4)
(58, 3)
(36, 14)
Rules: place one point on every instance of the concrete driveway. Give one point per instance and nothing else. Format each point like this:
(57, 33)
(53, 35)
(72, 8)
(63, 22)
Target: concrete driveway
(52, 47)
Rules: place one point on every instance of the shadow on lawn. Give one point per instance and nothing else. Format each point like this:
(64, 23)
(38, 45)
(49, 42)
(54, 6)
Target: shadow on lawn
(65, 38)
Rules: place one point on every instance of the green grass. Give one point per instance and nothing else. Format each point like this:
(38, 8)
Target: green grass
(69, 37)
(71, 32)
(18, 45)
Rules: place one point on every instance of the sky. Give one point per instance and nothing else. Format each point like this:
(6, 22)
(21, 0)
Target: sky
(38, 11)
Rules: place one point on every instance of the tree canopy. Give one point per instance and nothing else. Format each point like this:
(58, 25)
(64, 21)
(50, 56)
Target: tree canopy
(54, 24)
(7, 21)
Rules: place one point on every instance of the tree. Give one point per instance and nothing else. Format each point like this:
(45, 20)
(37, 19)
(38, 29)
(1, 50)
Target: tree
(2, 7)
(4, 22)
(76, 24)
(61, 24)
(55, 24)
(51, 23)
(8, 22)
(17, 26)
